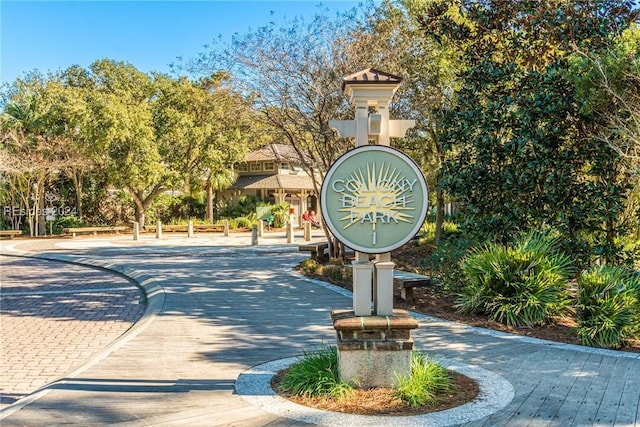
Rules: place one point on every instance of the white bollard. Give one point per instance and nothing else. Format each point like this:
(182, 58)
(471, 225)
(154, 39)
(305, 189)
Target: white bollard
(190, 229)
(159, 230)
(307, 231)
(290, 237)
(136, 231)
(254, 235)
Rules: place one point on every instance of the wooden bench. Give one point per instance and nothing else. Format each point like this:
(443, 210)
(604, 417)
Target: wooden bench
(93, 230)
(183, 228)
(212, 228)
(317, 250)
(10, 233)
(407, 281)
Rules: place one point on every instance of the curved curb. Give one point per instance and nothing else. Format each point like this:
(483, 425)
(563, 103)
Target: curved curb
(254, 386)
(151, 290)
(482, 331)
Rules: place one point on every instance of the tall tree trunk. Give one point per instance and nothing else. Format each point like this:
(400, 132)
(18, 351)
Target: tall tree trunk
(439, 215)
(32, 226)
(139, 211)
(77, 185)
(439, 200)
(209, 202)
(40, 217)
(143, 203)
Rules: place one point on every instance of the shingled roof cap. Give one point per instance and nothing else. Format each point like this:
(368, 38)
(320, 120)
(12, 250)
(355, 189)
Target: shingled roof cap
(370, 75)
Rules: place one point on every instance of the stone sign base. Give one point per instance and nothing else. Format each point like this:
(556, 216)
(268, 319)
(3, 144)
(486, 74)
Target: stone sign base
(374, 350)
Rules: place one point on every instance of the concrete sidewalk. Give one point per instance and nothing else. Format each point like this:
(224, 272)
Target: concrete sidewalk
(218, 307)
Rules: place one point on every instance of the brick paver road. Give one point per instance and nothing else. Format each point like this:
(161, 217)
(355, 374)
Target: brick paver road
(55, 316)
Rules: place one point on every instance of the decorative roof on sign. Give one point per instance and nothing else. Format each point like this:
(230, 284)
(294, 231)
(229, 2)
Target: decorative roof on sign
(369, 76)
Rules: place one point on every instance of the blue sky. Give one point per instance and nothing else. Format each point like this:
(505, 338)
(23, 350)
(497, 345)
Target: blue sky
(53, 35)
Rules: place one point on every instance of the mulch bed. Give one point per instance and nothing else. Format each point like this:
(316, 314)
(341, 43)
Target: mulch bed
(381, 401)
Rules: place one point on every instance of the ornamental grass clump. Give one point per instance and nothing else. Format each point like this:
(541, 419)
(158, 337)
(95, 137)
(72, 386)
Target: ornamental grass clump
(316, 374)
(608, 306)
(428, 380)
(333, 272)
(518, 285)
(310, 266)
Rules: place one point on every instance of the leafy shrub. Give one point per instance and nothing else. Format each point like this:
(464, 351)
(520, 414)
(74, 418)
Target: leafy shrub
(243, 222)
(428, 379)
(160, 209)
(525, 284)
(347, 275)
(630, 252)
(429, 230)
(63, 222)
(608, 306)
(245, 206)
(442, 262)
(333, 272)
(316, 375)
(280, 214)
(310, 265)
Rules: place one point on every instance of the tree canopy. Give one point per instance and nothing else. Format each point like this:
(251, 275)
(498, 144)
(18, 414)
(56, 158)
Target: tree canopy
(147, 133)
(520, 152)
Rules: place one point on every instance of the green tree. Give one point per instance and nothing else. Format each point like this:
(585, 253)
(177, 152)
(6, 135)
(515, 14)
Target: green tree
(518, 153)
(204, 128)
(608, 84)
(294, 70)
(123, 133)
(394, 37)
(67, 120)
(28, 151)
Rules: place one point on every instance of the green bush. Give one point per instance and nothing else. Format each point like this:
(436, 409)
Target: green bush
(525, 284)
(233, 223)
(280, 214)
(160, 210)
(442, 262)
(316, 375)
(310, 265)
(333, 272)
(608, 306)
(428, 379)
(63, 222)
(245, 206)
(189, 207)
(244, 222)
(347, 275)
(174, 210)
(428, 231)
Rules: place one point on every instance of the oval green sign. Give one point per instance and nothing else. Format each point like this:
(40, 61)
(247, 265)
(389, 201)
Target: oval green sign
(374, 199)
